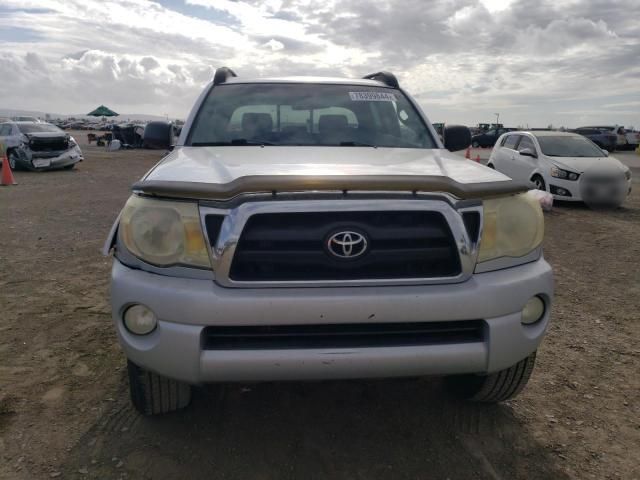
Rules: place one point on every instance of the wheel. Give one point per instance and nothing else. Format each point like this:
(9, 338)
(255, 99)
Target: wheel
(490, 165)
(475, 144)
(13, 159)
(538, 182)
(495, 387)
(153, 394)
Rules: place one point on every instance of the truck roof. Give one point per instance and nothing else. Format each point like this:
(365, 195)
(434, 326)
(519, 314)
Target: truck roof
(301, 79)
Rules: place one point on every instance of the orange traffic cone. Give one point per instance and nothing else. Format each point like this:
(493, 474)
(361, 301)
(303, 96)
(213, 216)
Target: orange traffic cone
(478, 158)
(7, 176)
(467, 154)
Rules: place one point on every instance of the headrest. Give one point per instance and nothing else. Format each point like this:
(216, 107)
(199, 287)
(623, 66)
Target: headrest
(257, 122)
(332, 123)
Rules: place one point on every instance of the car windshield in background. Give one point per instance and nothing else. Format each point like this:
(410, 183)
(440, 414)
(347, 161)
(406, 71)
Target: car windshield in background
(308, 114)
(565, 146)
(38, 128)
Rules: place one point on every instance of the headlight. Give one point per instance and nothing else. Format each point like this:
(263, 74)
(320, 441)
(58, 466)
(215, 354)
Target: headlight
(627, 174)
(163, 233)
(72, 142)
(564, 174)
(512, 227)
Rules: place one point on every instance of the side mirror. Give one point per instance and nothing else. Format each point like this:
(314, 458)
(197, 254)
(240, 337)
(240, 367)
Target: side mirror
(456, 137)
(605, 152)
(158, 135)
(527, 152)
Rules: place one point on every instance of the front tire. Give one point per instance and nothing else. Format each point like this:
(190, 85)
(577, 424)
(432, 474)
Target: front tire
(13, 159)
(153, 394)
(538, 182)
(495, 387)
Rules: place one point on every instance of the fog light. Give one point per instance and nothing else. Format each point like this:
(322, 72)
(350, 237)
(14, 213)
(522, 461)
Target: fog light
(140, 320)
(533, 310)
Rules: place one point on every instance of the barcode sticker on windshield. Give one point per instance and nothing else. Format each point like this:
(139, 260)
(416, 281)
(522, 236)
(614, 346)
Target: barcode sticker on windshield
(372, 97)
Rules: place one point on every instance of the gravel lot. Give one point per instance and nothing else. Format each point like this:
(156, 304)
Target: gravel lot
(64, 410)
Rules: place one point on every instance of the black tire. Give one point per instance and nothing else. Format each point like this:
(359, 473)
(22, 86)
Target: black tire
(153, 394)
(13, 159)
(538, 181)
(495, 387)
(490, 165)
(475, 144)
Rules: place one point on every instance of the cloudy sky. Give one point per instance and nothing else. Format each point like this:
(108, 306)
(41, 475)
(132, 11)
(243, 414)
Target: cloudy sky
(565, 62)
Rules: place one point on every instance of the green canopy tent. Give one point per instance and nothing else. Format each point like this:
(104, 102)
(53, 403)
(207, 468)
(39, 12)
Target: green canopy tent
(102, 111)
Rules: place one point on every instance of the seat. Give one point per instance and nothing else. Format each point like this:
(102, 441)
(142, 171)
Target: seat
(331, 125)
(256, 125)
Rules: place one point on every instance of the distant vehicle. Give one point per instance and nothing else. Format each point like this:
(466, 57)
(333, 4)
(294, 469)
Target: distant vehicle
(633, 139)
(488, 126)
(26, 119)
(617, 130)
(39, 146)
(488, 138)
(602, 138)
(568, 165)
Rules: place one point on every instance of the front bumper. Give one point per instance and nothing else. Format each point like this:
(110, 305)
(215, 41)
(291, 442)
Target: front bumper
(53, 160)
(614, 194)
(185, 306)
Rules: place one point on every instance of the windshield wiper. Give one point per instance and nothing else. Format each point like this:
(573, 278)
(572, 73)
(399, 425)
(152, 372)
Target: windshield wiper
(235, 141)
(357, 144)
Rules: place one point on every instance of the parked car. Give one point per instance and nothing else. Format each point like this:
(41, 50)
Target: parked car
(602, 138)
(617, 130)
(488, 138)
(568, 165)
(39, 146)
(633, 139)
(271, 242)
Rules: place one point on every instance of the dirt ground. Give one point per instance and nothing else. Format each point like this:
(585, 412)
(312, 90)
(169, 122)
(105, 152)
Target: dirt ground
(64, 409)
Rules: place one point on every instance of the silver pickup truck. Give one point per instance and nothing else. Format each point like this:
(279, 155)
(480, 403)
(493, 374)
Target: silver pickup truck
(318, 228)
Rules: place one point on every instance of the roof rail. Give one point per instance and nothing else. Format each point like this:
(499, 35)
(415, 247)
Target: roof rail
(222, 75)
(387, 78)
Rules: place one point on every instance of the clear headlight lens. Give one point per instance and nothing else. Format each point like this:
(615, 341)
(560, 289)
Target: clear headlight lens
(564, 174)
(163, 233)
(627, 175)
(512, 227)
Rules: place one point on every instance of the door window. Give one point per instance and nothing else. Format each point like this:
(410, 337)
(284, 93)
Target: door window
(526, 143)
(511, 141)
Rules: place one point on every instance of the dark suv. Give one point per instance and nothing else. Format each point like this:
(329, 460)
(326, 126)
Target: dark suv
(488, 138)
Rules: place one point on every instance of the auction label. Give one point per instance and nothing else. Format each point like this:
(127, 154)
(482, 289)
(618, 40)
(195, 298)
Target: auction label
(372, 97)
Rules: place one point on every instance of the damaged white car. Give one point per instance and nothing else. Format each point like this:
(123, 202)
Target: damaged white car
(39, 146)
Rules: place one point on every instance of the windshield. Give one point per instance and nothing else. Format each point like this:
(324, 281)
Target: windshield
(308, 114)
(38, 127)
(562, 146)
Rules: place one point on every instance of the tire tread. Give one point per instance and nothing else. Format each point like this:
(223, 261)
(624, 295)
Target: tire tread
(153, 394)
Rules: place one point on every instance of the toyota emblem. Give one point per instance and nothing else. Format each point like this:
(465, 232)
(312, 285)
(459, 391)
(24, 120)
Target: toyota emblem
(347, 244)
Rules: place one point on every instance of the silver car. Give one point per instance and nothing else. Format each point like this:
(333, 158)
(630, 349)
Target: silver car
(39, 146)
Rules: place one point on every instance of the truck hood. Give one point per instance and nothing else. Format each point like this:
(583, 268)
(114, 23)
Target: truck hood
(227, 171)
(582, 164)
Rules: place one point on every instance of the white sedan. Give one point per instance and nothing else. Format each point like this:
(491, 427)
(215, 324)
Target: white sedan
(568, 165)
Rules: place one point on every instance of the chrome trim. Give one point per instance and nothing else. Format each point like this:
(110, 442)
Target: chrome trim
(508, 262)
(236, 218)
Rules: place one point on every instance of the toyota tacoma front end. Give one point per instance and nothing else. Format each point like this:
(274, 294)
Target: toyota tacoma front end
(318, 229)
